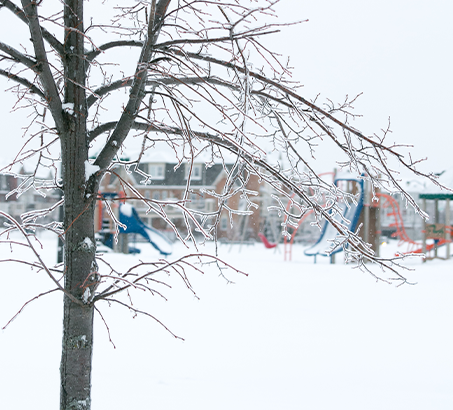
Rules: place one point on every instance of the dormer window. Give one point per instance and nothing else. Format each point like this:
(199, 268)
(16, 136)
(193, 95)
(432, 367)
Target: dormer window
(156, 171)
(196, 171)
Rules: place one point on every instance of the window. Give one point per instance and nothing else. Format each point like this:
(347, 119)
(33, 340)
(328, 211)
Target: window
(156, 171)
(164, 195)
(224, 223)
(210, 205)
(3, 183)
(156, 195)
(196, 171)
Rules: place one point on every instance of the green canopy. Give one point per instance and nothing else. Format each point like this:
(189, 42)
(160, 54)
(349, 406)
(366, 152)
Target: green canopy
(437, 195)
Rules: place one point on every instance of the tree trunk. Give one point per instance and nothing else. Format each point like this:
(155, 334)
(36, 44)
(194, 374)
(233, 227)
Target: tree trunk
(79, 253)
(80, 281)
(81, 277)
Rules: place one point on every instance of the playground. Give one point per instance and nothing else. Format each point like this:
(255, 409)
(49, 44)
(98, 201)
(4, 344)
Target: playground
(289, 335)
(124, 217)
(367, 213)
(120, 220)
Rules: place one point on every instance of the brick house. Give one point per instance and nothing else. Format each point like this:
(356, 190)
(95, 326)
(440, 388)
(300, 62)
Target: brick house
(10, 206)
(29, 200)
(168, 183)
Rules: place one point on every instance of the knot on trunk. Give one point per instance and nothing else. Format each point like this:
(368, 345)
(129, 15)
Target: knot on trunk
(87, 245)
(91, 283)
(75, 404)
(77, 342)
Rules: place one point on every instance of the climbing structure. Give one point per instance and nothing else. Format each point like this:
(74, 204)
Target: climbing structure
(388, 202)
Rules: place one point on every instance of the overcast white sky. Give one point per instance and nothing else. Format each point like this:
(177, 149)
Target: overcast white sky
(397, 52)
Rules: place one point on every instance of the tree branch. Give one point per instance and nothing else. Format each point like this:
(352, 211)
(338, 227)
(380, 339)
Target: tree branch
(288, 92)
(17, 11)
(141, 126)
(134, 43)
(238, 36)
(253, 162)
(33, 89)
(116, 85)
(18, 56)
(137, 90)
(120, 43)
(26, 304)
(137, 311)
(45, 75)
(259, 77)
(38, 256)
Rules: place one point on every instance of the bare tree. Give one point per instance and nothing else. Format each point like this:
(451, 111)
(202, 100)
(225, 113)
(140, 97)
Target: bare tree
(203, 80)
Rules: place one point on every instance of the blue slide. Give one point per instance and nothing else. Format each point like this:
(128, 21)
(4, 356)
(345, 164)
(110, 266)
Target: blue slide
(351, 214)
(130, 218)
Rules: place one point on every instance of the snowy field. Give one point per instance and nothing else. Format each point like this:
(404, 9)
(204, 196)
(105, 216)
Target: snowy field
(291, 335)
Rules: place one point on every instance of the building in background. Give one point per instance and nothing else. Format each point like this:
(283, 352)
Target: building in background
(19, 196)
(163, 181)
(165, 188)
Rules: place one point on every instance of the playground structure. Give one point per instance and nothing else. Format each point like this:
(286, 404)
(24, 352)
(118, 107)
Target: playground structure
(364, 211)
(438, 232)
(288, 243)
(388, 202)
(129, 222)
(129, 218)
(266, 243)
(349, 214)
(367, 212)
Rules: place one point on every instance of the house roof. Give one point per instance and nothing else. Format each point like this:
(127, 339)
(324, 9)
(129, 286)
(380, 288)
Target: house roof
(176, 177)
(162, 153)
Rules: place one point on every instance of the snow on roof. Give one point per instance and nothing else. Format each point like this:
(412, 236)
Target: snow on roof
(414, 185)
(28, 168)
(163, 153)
(436, 192)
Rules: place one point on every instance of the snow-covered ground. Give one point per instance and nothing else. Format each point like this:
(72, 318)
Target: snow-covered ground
(291, 335)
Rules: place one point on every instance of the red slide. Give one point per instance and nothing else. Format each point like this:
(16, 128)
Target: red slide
(266, 242)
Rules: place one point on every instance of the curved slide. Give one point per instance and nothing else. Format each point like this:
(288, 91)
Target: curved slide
(328, 233)
(130, 218)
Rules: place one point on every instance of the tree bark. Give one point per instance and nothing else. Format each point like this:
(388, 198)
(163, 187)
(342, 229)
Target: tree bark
(79, 253)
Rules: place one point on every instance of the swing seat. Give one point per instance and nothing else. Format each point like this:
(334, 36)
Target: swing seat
(267, 244)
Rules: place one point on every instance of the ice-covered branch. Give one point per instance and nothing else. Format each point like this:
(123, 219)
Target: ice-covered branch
(137, 90)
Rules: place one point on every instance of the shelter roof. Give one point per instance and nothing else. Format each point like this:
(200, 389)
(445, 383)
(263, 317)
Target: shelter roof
(437, 192)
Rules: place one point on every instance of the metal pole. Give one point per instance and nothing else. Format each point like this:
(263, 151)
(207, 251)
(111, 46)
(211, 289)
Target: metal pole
(424, 230)
(436, 212)
(366, 213)
(447, 226)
